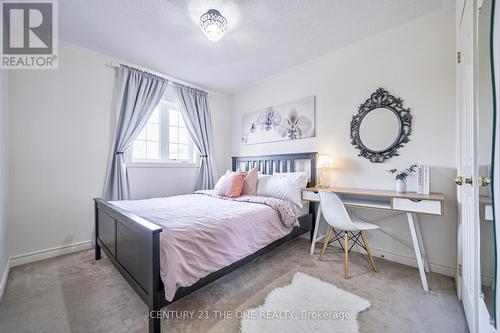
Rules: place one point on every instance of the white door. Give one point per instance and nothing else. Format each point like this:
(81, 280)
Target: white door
(468, 229)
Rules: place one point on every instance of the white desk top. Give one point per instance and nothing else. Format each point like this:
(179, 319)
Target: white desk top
(379, 193)
(383, 200)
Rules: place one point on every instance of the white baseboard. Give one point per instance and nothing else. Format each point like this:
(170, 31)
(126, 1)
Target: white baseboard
(49, 253)
(3, 282)
(436, 268)
(400, 259)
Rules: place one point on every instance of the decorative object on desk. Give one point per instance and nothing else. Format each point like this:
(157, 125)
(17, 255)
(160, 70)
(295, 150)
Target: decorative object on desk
(423, 179)
(401, 177)
(325, 162)
(381, 126)
(289, 121)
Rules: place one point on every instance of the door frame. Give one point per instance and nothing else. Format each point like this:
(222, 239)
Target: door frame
(459, 12)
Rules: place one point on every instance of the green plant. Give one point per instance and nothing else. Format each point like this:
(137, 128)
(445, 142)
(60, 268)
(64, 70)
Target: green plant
(405, 173)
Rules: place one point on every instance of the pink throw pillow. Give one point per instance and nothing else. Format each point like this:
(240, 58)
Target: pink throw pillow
(233, 184)
(221, 179)
(250, 183)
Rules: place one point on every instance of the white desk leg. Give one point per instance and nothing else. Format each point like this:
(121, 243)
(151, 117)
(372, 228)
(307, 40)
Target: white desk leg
(316, 227)
(418, 229)
(418, 254)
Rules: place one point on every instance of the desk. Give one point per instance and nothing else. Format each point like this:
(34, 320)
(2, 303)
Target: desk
(410, 203)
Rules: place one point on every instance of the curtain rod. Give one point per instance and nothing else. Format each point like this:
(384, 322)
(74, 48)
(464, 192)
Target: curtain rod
(169, 78)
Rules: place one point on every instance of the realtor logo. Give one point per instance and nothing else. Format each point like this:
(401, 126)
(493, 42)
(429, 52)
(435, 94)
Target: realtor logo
(29, 34)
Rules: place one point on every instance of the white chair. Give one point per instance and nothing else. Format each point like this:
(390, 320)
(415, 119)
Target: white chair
(341, 226)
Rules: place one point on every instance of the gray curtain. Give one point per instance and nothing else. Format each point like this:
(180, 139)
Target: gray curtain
(137, 96)
(194, 108)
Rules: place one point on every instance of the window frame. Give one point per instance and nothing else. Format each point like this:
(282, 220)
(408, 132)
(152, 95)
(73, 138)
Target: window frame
(167, 103)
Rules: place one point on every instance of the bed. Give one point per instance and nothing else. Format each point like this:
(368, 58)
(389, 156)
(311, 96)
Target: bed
(133, 243)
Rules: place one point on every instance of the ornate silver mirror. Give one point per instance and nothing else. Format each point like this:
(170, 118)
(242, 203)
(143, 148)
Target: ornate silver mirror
(381, 126)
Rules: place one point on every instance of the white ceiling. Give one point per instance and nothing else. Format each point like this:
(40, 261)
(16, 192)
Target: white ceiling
(264, 36)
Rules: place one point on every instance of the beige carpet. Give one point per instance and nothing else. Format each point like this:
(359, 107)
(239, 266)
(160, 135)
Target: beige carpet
(74, 293)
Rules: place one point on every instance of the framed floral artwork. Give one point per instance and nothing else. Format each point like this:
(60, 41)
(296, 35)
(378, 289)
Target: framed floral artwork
(289, 121)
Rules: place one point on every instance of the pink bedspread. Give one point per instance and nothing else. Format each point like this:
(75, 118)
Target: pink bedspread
(203, 233)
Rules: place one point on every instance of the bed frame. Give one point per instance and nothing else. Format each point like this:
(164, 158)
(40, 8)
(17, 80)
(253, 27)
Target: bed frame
(132, 243)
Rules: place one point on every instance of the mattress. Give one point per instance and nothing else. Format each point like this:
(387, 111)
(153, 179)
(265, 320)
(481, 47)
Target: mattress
(301, 211)
(202, 234)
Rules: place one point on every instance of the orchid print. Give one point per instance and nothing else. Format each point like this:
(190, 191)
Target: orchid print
(269, 119)
(253, 128)
(295, 126)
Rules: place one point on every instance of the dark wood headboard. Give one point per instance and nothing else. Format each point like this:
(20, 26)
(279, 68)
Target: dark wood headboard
(268, 164)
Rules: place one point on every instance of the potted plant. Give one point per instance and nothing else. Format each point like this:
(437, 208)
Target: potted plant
(401, 177)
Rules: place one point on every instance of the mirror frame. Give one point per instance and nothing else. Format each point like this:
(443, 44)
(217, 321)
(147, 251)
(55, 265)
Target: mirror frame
(382, 99)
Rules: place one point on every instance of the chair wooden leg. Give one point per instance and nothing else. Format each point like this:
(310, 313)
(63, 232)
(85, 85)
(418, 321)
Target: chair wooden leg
(328, 236)
(368, 251)
(346, 256)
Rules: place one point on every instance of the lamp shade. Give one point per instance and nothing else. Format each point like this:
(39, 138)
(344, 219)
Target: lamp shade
(325, 161)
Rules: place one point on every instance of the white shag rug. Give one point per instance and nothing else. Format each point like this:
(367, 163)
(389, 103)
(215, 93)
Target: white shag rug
(306, 305)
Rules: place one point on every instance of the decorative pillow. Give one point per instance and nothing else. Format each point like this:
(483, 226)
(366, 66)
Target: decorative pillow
(250, 183)
(283, 186)
(221, 179)
(232, 185)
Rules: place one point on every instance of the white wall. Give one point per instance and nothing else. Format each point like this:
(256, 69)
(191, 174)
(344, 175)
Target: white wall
(4, 179)
(61, 128)
(221, 121)
(414, 62)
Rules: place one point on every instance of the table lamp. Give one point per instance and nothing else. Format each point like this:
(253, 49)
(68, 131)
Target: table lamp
(324, 162)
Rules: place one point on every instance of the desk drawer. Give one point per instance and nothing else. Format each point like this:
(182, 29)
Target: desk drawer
(420, 206)
(310, 196)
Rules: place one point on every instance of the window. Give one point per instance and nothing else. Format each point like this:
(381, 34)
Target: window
(147, 144)
(178, 138)
(164, 138)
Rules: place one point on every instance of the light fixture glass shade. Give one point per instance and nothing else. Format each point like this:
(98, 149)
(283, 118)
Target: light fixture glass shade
(324, 161)
(213, 25)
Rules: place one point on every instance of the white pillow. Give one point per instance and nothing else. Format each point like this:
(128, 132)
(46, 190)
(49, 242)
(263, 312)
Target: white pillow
(303, 175)
(286, 186)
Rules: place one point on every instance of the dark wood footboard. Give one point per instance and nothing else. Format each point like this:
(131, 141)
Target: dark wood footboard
(132, 244)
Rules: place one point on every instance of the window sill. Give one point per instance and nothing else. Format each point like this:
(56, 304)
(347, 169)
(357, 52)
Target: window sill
(162, 165)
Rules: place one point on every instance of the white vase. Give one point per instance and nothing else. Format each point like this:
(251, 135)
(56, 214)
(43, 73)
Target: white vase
(400, 186)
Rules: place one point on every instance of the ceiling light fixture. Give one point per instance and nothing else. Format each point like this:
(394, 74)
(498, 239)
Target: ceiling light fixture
(213, 25)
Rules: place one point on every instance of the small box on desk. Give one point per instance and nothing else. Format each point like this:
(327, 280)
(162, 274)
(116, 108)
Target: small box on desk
(423, 179)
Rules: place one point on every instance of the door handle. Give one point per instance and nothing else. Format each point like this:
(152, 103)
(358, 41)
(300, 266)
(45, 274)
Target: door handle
(483, 181)
(460, 180)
